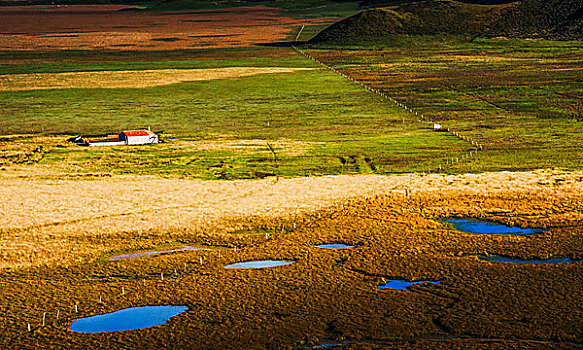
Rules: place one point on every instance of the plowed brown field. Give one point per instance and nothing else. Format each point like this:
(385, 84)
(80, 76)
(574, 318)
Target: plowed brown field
(112, 27)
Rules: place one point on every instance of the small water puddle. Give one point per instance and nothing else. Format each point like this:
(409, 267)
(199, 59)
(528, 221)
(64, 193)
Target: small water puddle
(335, 246)
(490, 228)
(495, 258)
(328, 345)
(402, 284)
(150, 253)
(260, 264)
(127, 319)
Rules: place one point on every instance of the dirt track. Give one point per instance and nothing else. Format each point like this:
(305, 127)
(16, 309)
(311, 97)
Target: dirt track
(112, 27)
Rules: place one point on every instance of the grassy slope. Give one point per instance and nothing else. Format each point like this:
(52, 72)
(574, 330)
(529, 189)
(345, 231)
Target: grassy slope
(331, 126)
(561, 19)
(557, 19)
(516, 96)
(417, 18)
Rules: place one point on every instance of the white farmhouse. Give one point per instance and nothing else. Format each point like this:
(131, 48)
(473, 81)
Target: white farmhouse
(138, 137)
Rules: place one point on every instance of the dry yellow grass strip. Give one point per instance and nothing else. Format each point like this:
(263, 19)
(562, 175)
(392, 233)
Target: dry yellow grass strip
(128, 79)
(48, 222)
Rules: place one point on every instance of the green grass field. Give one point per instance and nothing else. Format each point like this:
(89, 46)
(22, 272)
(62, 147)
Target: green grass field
(516, 97)
(336, 126)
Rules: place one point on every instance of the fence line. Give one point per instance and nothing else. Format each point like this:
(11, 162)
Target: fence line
(168, 274)
(102, 296)
(420, 118)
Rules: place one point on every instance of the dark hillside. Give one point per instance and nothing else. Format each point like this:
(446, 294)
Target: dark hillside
(551, 19)
(418, 18)
(386, 3)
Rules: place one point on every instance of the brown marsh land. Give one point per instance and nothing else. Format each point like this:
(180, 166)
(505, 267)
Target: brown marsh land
(267, 155)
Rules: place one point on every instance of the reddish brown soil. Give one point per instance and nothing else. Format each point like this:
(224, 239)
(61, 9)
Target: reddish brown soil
(112, 27)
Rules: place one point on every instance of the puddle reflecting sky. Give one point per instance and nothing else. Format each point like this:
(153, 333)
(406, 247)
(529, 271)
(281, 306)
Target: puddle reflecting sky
(127, 319)
(402, 284)
(259, 264)
(490, 228)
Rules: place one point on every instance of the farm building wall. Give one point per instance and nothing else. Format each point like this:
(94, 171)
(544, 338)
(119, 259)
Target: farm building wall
(106, 143)
(140, 137)
(138, 140)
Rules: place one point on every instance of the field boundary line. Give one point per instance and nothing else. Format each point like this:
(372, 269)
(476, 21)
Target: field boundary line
(420, 118)
(300, 32)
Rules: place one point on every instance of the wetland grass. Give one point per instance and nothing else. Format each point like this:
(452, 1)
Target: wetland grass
(319, 299)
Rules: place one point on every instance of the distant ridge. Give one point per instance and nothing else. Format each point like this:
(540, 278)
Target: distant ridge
(551, 19)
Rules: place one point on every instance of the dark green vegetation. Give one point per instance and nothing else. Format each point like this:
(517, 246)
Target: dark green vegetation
(14, 62)
(319, 300)
(557, 19)
(416, 18)
(296, 8)
(521, 99)
(552, 19)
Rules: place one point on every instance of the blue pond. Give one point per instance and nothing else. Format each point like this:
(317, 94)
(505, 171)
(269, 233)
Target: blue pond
(490, 228)
(127, 319)
(150, 253)
(495, 258)
(402, 284)
(258, 264)
(328, 345)
(335, 246)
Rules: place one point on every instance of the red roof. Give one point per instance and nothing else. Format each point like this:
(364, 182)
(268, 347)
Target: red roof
(138, 133)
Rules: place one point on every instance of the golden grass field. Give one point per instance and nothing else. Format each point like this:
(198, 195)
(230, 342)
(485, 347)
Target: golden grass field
(47, 221)
(327, 296)
(128, 79)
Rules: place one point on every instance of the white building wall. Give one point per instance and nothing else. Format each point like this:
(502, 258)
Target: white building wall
(106, 143)
(138, 140)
